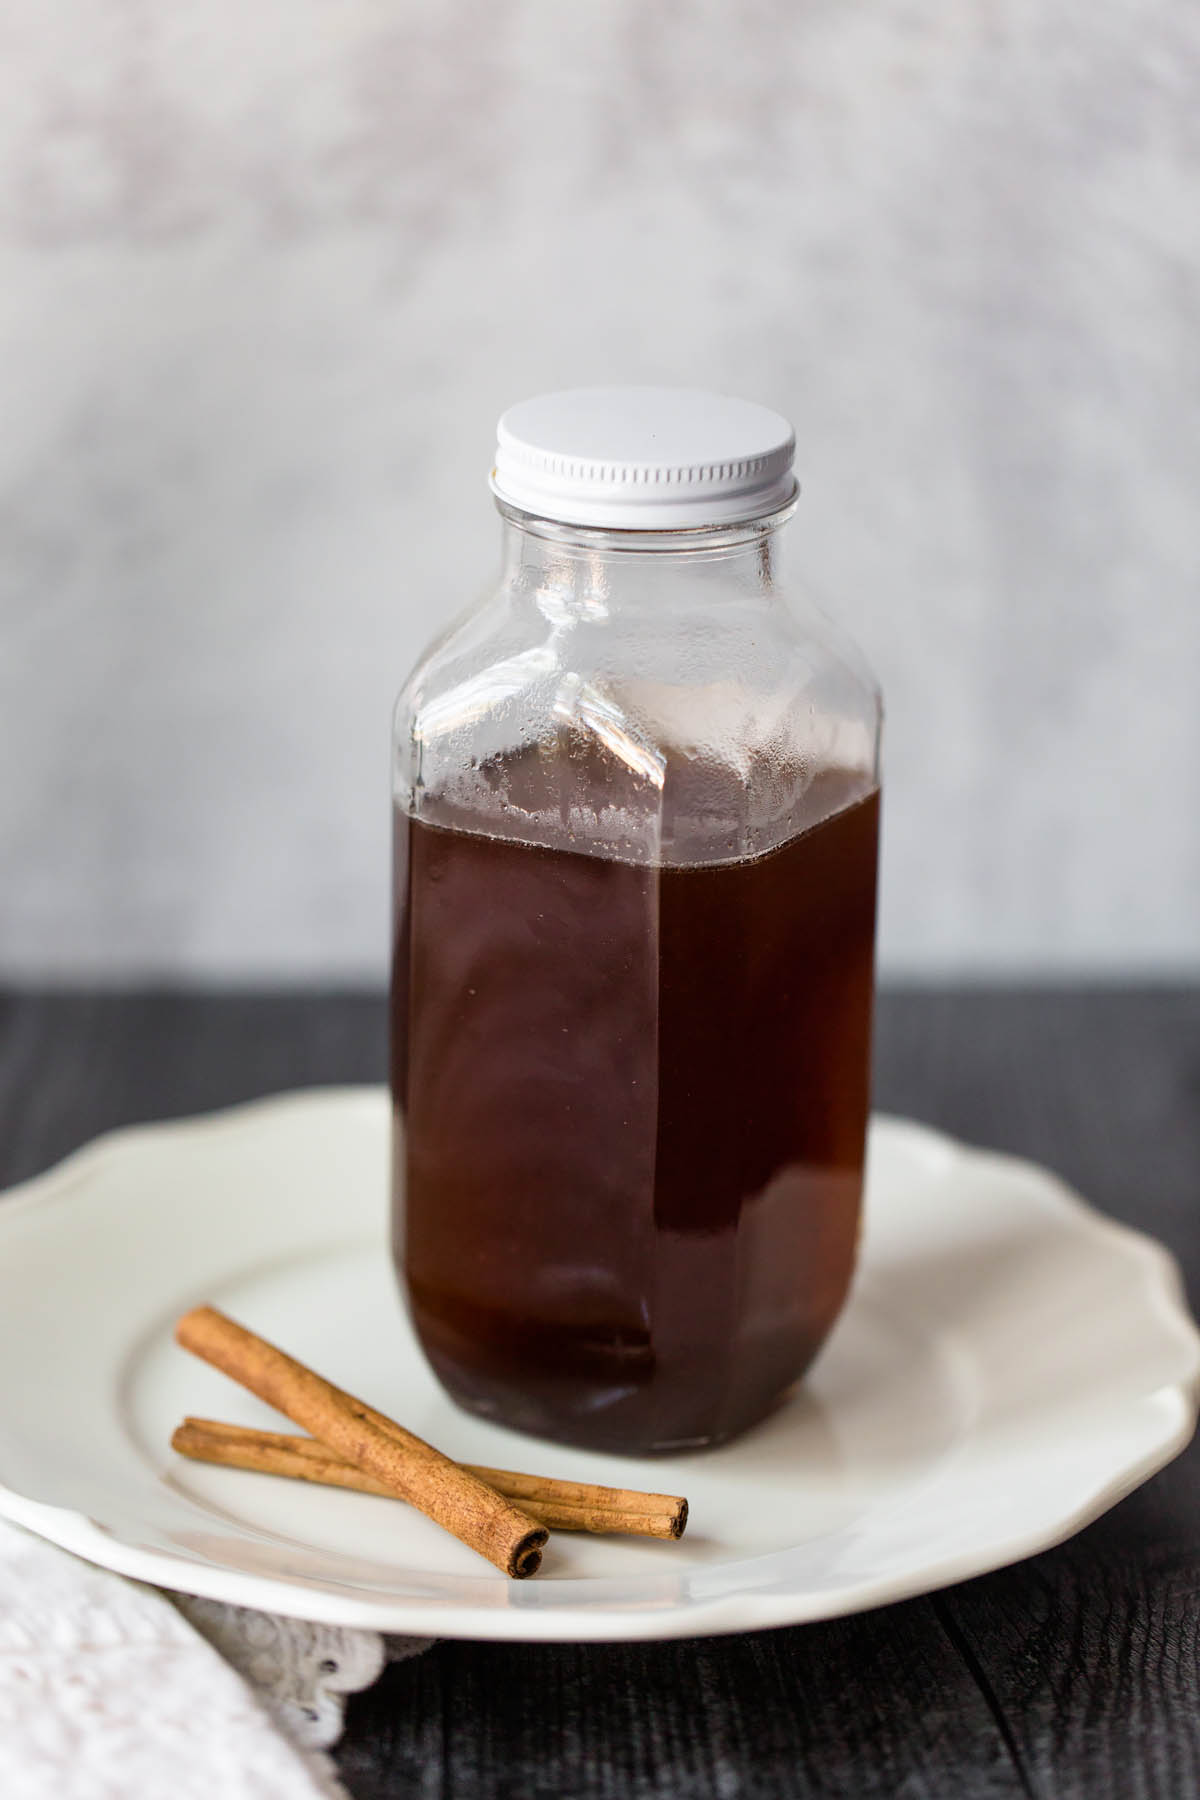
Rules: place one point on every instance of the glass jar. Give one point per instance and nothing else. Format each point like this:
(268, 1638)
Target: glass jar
(636, 820)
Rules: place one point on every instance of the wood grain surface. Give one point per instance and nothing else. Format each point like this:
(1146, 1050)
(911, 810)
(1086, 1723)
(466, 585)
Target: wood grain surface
(1074, 1676)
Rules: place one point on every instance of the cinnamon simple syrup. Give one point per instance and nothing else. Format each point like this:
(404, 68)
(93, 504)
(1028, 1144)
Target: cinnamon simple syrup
(636, 1101)
(636, 801)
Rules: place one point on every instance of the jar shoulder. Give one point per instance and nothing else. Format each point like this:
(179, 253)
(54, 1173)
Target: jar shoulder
(505, 651)
(683, 733)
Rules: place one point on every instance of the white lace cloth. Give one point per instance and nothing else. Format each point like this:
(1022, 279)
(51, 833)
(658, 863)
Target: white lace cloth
(108, 1691)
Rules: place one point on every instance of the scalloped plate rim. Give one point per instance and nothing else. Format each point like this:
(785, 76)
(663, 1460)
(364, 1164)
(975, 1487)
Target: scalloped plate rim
(740, 1611)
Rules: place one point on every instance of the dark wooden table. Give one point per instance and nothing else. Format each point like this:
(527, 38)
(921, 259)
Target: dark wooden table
(1074, 1674)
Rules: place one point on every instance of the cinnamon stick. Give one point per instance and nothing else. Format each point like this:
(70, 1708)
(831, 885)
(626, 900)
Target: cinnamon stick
(405, 1464)
(559, 1505)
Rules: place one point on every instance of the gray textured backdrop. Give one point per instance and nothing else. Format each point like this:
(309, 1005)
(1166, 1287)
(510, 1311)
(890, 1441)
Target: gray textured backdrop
(268, 272)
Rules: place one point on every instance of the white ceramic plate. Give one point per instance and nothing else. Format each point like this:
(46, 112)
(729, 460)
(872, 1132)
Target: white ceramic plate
(1009, 1365)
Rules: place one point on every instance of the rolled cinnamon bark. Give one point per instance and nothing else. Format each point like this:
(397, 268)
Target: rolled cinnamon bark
(405, 1465)
(559, 1505)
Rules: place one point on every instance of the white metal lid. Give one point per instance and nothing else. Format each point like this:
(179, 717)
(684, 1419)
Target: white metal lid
(643, 458)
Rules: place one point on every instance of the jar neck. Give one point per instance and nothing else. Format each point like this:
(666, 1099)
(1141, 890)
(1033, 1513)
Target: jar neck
(585, 568)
